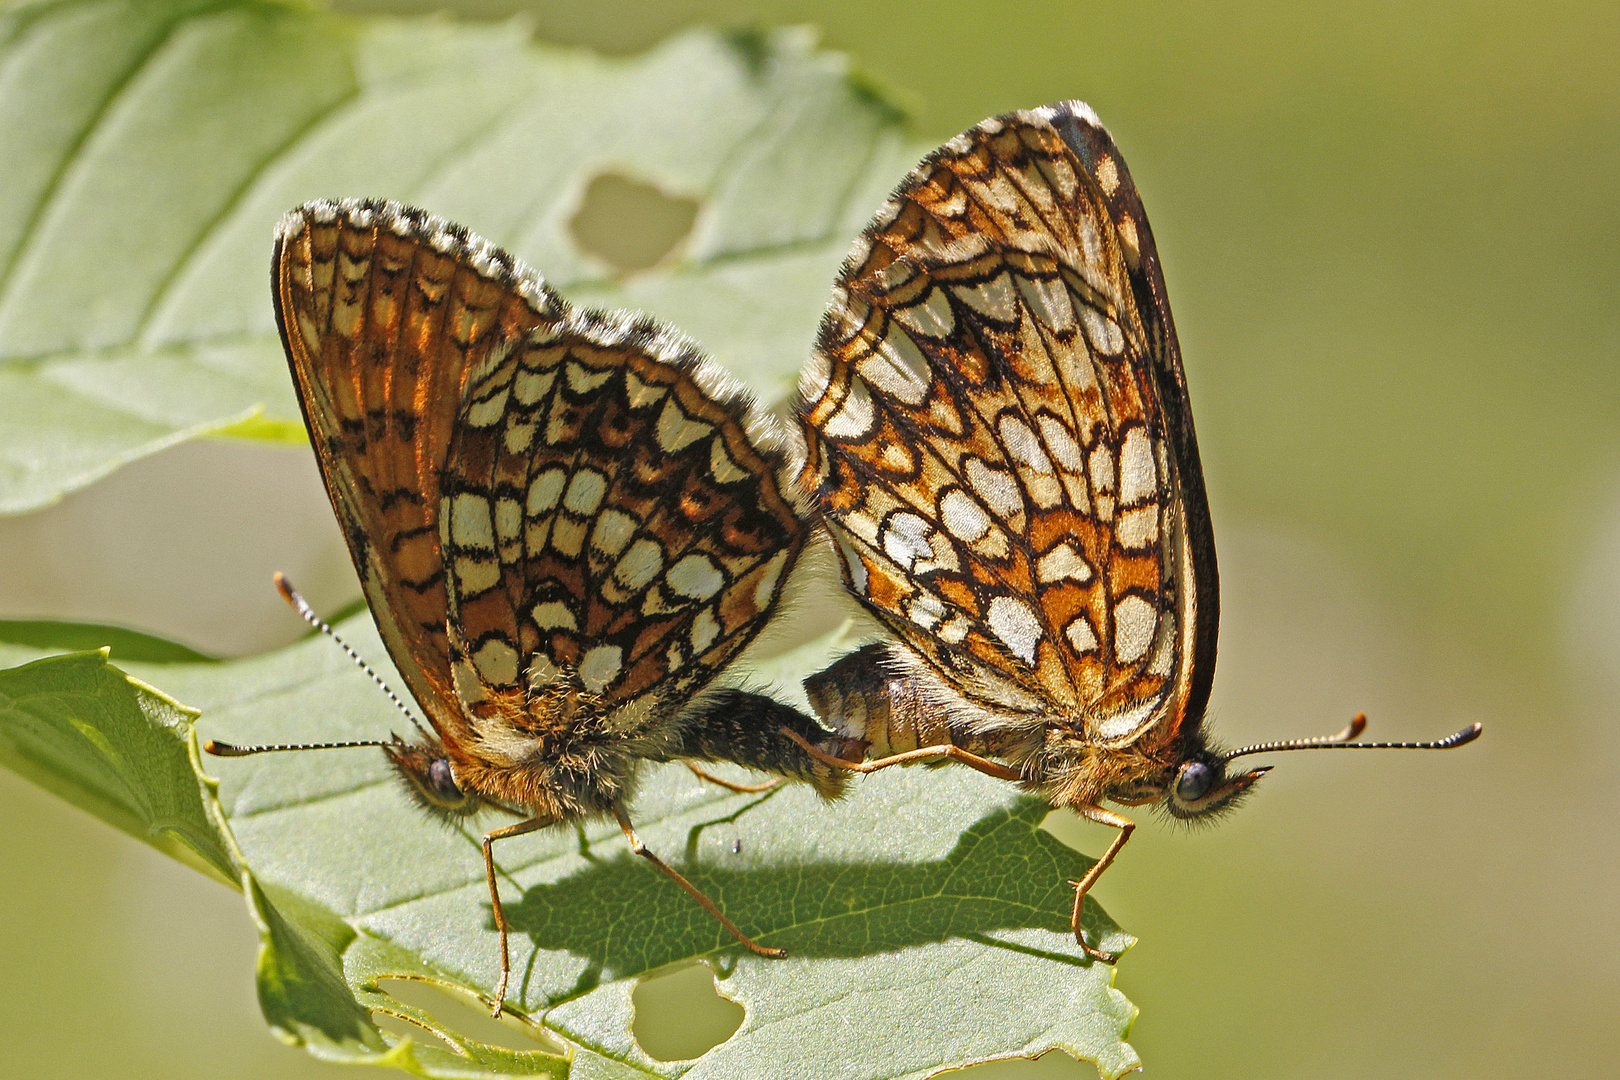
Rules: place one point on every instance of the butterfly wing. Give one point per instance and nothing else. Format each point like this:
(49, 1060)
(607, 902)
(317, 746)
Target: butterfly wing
(383, 312)
(613, 507)
(1000, 437)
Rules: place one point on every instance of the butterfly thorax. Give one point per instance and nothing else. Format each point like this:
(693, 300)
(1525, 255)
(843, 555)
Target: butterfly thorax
(554, 751)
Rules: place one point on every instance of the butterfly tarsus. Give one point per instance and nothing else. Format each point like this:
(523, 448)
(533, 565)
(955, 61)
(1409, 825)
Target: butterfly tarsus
(741, 789)
(495, 896)
(946, 750)
(1125, 826)
(691, 890)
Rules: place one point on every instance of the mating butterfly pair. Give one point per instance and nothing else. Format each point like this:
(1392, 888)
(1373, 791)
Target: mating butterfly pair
(567, 524)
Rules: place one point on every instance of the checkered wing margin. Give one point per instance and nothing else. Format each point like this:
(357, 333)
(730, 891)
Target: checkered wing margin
(1000, 437)
(383, 311)
(524, 488)
(611, 508)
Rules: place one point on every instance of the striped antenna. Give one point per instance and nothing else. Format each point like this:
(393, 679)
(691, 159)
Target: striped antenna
(224, 749)
(1341, 741)
(290, 594)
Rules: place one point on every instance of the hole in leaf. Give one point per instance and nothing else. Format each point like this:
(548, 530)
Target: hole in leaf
(404, 1029)
(1052, 1065)
(680, 1015)
(460, 1015)
(630, 224)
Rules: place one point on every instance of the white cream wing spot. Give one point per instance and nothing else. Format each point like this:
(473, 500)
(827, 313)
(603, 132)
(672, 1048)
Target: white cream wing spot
(475, 575)
(925, 610)
(1081, 637)
(855, 414)
(1138, 529)
(470, 526)
(962, 517)
(585, 492)
(994, 299)
(932, 318)
(544, 491)
(508, 520)
(613, 530)
(568, 536)
(1134, 623)
(1063, 562)
(600, 666)
(641, 394)
(530, 386)
(519, 436)
(676, 430)
(1101, 467)
(1023, 446)
(995, 486)
(1012, 621)
(721, 467)
(639, 565)
(897, 367)
(705, 631)
(907, 539)
(1048, 300)
(1107, 175)
(1061, 442)
(1103, 333)
(695, 576)
(582, 380)
(554, 615)
(487, 412)
(497, 662)
(1138, 478)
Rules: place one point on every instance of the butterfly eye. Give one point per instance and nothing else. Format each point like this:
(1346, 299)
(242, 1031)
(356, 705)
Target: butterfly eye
(442, 782)
(1194, 781)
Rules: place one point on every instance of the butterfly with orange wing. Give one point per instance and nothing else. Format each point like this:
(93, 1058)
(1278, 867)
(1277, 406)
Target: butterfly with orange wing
(566, 523)
(1001, 444)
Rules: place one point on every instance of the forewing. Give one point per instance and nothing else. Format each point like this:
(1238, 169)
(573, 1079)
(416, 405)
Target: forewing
(614, 509)
(1000, 437)
(383, 312)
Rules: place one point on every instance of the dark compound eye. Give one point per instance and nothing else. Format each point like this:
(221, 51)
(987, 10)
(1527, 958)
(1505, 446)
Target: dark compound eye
(442, 780)
(1194, 781)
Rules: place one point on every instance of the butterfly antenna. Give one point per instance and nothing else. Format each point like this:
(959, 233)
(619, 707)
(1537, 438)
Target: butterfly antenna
(300, 605)
(1341, 741)
(224, 749)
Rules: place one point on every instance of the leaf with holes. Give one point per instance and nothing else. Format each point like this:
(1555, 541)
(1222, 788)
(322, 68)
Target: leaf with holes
(152, 147)
(924, 914)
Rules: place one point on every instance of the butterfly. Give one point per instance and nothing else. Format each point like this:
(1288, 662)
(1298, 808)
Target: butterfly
(566, 524)
(1001, 445)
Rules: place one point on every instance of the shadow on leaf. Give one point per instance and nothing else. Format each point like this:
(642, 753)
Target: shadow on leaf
(1004, 874)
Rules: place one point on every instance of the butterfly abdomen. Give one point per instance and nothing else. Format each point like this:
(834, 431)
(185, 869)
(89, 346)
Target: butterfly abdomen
(878, 710)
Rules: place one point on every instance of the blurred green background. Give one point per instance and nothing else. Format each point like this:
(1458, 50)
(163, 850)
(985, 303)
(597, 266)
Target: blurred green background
(1390, 236)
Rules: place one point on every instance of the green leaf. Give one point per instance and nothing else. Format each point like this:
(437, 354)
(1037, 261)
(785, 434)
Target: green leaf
(925, 915)
(124, 643)
(151, 148)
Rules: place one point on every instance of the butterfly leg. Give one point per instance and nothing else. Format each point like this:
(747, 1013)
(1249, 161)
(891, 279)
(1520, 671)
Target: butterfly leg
(1125, 826)
(495, 896)
(730, 785)
(947, 750)
(691, 890)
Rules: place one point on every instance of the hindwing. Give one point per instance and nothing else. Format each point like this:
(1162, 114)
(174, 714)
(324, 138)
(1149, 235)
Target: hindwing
(611, 509)
(527, 491)
(1000, 438)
